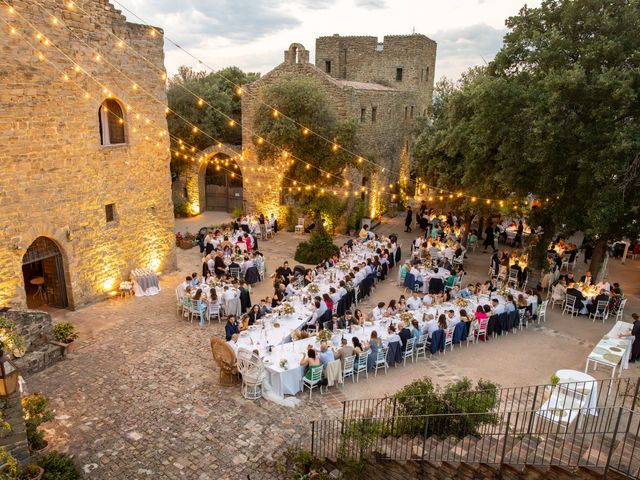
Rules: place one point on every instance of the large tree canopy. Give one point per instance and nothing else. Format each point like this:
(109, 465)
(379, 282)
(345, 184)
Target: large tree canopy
(216, 89)
(303, 99)
(555, 114)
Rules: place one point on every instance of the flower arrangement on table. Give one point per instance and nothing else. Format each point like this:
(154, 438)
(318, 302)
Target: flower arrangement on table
(284, 364)
(313, 288)
(299, 335)
(371, 244)
(324, 335)
(461, 302)
(344, 266)
(406, 317)
(288, 309)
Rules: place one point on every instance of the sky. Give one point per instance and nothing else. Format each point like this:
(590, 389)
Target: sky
(253, 34)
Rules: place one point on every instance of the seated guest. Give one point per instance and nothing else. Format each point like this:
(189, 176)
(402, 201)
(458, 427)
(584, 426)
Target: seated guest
(311, 363)
(392, 336)
(327, 301)
(344, 351)
(336, 323)
(231, 327)
(430, 325)
(558, 292)
(416, 331)
(587, 279)
(279, 295)
(264, 306)
(414, 302)
(604, 284)
(603, 296)
(392, 309)
(498, 308)
(315, 317)
(254, 314)
(442, 322)
(357, 347)
(428, 300)
(358, 317)
(573, 291)
(233, 342)
(452, 319)
(378, 312)
(402, 304)
(348, 319)
(326, 354)
(404, 334)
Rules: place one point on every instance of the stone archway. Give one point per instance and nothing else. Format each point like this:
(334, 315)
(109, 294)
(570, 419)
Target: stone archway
(220, 184)
(43, 271)
(196, 178)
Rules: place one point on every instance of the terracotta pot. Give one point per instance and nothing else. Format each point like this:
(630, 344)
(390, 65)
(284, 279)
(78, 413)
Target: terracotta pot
(36, 476)
(71, 347)
(42, 450)
(185, 244)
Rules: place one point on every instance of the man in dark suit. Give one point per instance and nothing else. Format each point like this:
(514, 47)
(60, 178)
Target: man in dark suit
(231, 327)
(602, 297)
(405, 334)
(574, 292)
(587, 279)
(219, 265)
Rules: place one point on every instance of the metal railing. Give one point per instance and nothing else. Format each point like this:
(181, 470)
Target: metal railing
(610, 392)
(591, 424)
(601, 437)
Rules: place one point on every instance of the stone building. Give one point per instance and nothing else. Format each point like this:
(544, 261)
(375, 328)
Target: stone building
(383, 86)
(85, 189)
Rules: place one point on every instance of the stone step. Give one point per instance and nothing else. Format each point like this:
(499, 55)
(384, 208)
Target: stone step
(461, 450)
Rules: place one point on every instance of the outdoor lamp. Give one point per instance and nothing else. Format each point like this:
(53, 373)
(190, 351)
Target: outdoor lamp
(8, 375)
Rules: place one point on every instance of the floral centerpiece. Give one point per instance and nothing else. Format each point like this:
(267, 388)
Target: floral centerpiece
(344, 266)
(406, 317)
(299, 335)
(461, 302)
(288, 309)
(324, 335)
(313, 288)
(284, 364)
(370, 244)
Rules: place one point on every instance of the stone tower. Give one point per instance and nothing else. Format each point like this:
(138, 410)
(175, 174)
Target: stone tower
(383, 87)
(85, 190)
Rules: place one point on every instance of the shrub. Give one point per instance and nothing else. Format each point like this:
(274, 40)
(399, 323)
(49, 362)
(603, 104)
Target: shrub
(290, 219)
(12, 342)
(421, 398)
(299, 464)
(181, 208)
(319, 246)
(65, 332)
(237, 212)
(58, 466)
(36, 411)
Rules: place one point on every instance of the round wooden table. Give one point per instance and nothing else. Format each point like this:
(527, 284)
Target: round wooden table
(39, 282)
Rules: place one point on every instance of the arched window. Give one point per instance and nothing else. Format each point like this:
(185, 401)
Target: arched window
(111, 118)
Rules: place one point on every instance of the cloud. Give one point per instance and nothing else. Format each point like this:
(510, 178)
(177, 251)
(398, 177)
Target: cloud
(192, 21)
(460, 48)
(371, 3)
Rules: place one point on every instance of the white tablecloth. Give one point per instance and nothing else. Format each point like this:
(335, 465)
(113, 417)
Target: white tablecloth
(582, 384)
(145, 282)
(613, 350)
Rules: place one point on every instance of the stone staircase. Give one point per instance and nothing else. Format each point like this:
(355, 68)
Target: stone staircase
(527, 457)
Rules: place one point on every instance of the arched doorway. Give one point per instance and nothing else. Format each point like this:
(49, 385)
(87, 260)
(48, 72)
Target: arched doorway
(223, 184)
(43, 271)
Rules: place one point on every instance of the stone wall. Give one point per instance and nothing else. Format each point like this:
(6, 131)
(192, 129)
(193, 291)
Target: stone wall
(36, 328)
(363, 59)
(56, 176)
(14, 440)
(385, 141)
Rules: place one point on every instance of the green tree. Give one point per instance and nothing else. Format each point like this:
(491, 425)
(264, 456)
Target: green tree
(304, 99)
(215, 89)
(568, 79)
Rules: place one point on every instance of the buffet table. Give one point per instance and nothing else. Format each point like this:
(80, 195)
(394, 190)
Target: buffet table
(612, 351)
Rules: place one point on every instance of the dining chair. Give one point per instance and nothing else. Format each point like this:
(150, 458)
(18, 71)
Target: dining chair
(314, 381)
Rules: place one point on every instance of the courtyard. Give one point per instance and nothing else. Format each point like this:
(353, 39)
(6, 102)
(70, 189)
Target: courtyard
(140, 396)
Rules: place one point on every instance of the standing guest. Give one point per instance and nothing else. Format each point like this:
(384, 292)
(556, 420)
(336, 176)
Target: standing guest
(408, 220)
(489, 238)
(635, 333)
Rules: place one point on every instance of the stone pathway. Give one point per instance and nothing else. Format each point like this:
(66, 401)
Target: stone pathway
(140, 398)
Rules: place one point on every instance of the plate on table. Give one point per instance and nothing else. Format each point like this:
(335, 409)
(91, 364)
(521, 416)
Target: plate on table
(615, 349)
(266, 361)
(600, 350)
(610, 357)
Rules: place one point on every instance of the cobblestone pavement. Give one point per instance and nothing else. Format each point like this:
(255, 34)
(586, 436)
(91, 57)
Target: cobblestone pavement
(140, 399)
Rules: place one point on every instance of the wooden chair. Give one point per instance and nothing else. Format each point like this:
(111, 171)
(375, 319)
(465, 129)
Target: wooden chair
(225, 358)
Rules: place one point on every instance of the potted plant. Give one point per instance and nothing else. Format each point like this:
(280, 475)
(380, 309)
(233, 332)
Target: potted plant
(36, 411)
(59, 466)
(65, 332)
(32, 472)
